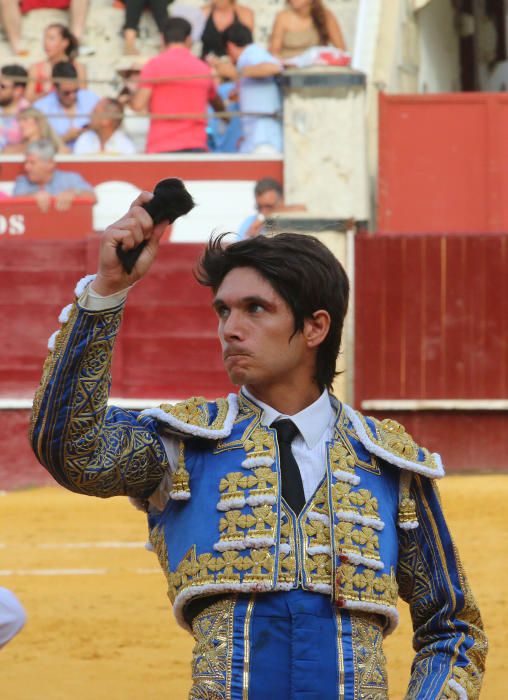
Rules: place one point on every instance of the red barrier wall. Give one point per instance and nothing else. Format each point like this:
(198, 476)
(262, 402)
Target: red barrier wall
(442, 163)
(432, 323)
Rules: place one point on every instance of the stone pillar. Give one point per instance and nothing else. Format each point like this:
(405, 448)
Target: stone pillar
(338, 236)
(325, 153)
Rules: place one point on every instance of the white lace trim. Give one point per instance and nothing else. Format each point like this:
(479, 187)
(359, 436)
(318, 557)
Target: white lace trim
(388, 456)
(319, 516)
(179, 495)
(347, 477)
(231, 504)
(181, 426)
(211, 588)
(251, 462)
(352, 517)
(261, 500)
(391, 614)
(319, 549)
(408, 525)
(320, 588)
(355, 558)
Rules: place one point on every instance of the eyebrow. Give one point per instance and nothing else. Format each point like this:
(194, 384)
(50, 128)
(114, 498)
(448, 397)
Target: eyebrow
(218, 302)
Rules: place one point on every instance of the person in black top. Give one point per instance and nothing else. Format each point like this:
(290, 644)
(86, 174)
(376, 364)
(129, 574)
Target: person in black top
(220, 15)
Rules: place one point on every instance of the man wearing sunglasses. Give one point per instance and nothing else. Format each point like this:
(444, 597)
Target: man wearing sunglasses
(68, 106)
(12, 100)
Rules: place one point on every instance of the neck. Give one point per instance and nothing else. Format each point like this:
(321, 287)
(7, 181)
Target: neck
(303, 11)
(285, 399)
(104, 135)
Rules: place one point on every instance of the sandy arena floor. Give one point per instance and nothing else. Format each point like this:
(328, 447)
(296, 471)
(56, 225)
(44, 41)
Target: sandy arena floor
(99, 621)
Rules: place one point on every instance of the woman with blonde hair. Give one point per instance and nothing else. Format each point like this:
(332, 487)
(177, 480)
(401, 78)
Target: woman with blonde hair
(60, 44)
(33, 126)
(303, 25)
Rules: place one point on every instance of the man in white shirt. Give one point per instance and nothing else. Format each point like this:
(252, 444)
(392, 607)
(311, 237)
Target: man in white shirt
(105, 134)
(286, 523)
(255, 69)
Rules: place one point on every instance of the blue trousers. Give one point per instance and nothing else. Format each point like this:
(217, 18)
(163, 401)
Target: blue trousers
(291, 645)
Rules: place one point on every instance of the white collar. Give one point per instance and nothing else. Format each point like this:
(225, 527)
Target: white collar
(311, 422)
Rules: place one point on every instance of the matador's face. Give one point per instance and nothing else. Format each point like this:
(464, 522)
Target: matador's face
(256, 330)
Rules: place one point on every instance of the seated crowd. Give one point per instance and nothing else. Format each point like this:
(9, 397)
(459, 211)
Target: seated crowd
(228, 100)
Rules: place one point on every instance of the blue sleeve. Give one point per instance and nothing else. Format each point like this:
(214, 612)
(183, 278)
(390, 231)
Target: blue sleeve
(449, 639)
(253, 55)
(85, 445)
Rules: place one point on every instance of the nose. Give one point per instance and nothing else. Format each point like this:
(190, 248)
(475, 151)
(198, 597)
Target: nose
(232, 327)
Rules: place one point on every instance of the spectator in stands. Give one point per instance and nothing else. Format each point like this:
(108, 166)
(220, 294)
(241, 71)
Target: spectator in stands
(256, 70)
(34, 126)
(12, 101)
(135, 124)
(133, 10)
(269, 198)
(68, 106)
(11, 11)
(220, 15)
(105, 134)
(60, 45)
(178, 95)
(302, 25)
(46, 183)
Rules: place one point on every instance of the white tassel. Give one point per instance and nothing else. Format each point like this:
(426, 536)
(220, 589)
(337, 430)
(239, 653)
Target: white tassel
(230, 504)
(261, 500)
(322, 517)
(252, 462)
(65, 313)
(179, 495)
(83, 284)
(352, 517)
(52, 340)
(391, 614)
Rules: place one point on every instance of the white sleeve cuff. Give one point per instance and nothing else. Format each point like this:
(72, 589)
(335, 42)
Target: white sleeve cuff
(92, 301)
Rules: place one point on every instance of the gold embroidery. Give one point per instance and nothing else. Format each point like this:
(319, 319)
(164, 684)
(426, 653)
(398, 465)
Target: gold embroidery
(287, 556)
(371, 680)
(341, 458)
(318, 565)
(193, 411)
(246, 648)
(356, 539)
(49, 364)
(180, 478)
(227, 567)
(213, 652)
(260, 443)
(233, 524)
(102, 453)
(358, 501)
(368, 586)
(392, 437)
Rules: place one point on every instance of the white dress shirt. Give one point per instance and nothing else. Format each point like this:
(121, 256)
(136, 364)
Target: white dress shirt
(315, 424)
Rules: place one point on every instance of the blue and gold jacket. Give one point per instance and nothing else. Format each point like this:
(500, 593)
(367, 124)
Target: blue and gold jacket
(372, 531)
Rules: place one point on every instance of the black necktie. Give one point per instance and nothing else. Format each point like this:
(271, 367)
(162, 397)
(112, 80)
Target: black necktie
(292, 486)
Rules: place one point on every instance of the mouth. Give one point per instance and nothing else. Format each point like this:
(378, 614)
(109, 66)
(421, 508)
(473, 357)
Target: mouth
(234, 355)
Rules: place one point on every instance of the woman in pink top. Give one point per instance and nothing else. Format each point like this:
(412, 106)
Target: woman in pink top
(59, 45)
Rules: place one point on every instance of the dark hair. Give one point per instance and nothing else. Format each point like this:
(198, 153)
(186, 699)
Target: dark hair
(238, 34)
(318, 16)
(267, 184)
(176, 30)
(72, 43)
(63, 70)
(301, 269)
(13, 71)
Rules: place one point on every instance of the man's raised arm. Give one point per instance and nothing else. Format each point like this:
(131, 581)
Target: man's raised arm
(88, 447)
